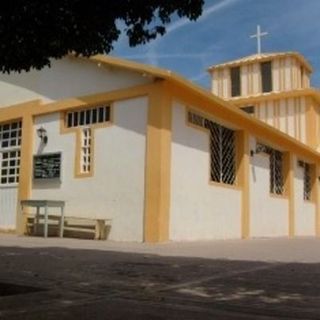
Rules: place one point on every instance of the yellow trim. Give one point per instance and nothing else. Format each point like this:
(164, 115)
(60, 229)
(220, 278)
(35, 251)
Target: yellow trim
(234, 186)
(243, 179)
(278, 196)
(317, 200)
(289, 189)
(261, 58)
(77, 163)
(78, 133)
(158, 165)
(255, 127)
(25, 178)
(276, 95)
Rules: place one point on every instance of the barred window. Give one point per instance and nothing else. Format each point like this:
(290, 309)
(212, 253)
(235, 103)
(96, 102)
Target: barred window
(276, 172)
(86, 150)
(307, 179)
(222, 149)
(10, 141)
(222, 153)
(307, 184)
(85, 117)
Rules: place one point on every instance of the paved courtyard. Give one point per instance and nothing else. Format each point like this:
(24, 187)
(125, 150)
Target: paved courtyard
(83, 279)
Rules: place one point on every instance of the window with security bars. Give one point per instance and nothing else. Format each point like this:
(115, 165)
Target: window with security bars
(86, 151)
(222, 153)
(276, 172)
(10, 141)
(88, 116)
(222, 149)
(307, 181)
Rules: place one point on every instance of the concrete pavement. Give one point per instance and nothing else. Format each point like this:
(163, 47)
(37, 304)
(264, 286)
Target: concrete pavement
(82, 279)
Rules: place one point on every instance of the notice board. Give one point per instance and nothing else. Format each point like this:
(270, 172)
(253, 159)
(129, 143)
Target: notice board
(47, 166)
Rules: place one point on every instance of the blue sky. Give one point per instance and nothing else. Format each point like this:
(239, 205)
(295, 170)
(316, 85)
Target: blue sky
(223, 32)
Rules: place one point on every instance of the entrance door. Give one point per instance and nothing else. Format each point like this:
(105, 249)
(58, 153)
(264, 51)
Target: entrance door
(10, 142)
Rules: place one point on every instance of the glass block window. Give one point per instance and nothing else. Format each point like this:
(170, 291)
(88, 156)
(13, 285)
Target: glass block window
(10, 166)
(86, 150)
(10, 141)
(222, 149)
(89, 116)
(10, 135)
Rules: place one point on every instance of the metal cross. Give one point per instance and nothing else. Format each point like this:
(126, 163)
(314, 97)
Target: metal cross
(259, 35)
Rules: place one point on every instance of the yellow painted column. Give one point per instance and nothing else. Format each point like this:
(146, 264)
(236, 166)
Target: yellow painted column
(289, 190)
(316, 191)
(243, 176)
(25, 179)
(158, 164)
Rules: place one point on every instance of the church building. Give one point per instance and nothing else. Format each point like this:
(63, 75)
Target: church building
(160, 158)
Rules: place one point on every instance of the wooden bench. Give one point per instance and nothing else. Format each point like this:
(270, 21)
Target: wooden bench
(97, 229)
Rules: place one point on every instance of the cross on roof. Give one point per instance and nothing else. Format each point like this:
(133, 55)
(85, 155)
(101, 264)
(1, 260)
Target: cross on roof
(259, 35)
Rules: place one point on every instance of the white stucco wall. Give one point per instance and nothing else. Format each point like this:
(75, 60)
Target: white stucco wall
(304, 210)
(69, 77)
(198, 210)
(8, 207)
(268, 214)
(116, 190)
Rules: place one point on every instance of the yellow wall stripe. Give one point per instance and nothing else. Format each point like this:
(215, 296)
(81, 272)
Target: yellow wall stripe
(158, 165)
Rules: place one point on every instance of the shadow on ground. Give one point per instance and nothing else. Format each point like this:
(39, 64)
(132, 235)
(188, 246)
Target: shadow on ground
(92, 284)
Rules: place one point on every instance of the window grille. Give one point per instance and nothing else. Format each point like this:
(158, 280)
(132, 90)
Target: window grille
(276, 168)
(10, 141)
(276, 172)
(222, 152)
(222, 149)
(86, 150)
(87, 117)
(307, 183)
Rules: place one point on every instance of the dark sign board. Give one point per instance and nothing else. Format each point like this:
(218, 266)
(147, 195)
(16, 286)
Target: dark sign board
(47, 166)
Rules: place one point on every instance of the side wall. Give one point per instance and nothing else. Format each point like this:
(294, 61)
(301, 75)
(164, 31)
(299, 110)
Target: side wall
(69, 77)
(199, 210)
(305, 216)
(116, 191)
(268, 213)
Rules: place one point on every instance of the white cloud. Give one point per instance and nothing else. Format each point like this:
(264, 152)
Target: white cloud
(207, 12)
